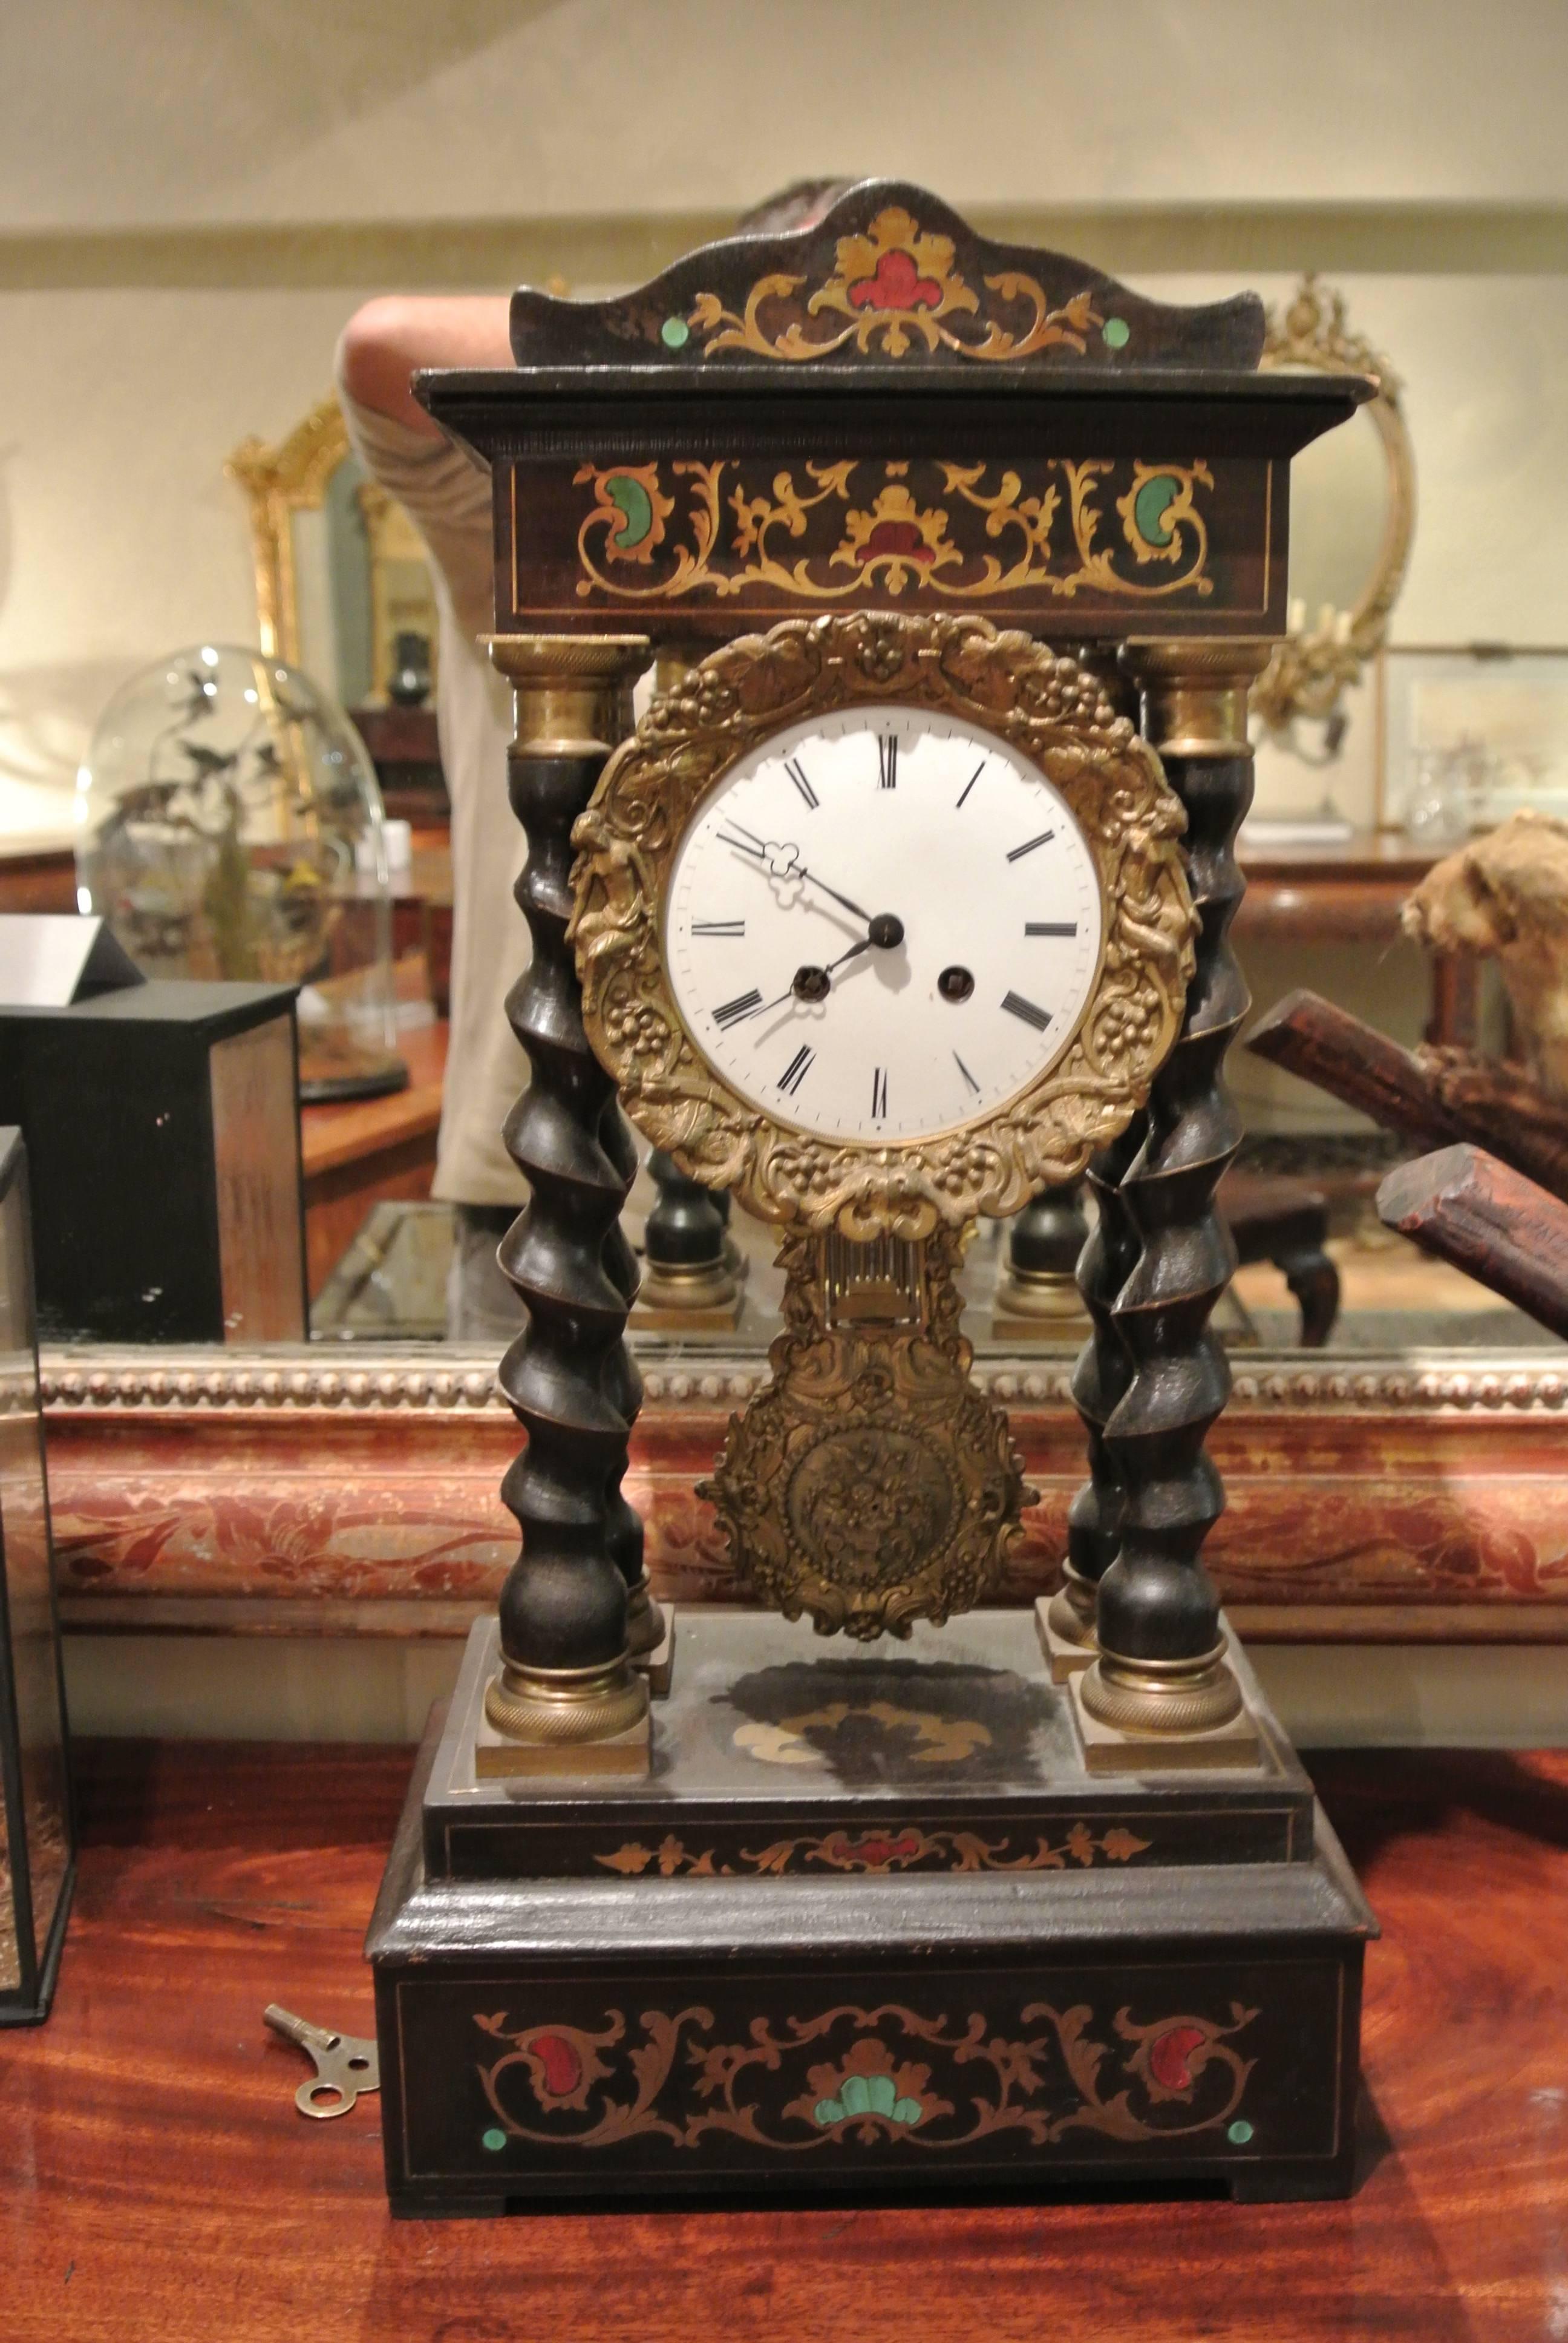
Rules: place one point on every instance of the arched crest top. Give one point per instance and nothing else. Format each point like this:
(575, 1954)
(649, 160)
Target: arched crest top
(890, 280)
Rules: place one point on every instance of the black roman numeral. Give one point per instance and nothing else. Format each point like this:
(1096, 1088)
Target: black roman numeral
(1018, 1007)
(878, 1093)
(887, 759)
(792, 766)
(1029, 844)
(794, 1074)
(1050, 926)
(970, 782)
(966, 1073)
(733, 1011)
(718, 926)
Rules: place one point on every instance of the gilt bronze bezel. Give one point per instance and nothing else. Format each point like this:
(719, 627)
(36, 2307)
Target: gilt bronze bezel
(1048, 707)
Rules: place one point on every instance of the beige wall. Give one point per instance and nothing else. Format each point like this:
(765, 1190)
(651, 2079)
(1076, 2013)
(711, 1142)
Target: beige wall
(194, 195)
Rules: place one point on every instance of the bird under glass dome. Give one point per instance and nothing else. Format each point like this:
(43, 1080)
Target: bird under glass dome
(229, 824)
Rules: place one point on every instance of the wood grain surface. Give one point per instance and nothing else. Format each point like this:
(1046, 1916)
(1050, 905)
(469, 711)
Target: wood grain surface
(155, 2181)
(1469, 1209)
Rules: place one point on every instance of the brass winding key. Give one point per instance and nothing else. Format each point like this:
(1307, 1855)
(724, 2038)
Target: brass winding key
(345, 2066)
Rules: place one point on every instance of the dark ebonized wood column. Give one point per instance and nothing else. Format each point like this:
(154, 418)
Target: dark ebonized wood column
(565, 1673)
(645, 1620)
(1100, 1380)
(1036, 1292)
(683, 1243)
(1161, 1667)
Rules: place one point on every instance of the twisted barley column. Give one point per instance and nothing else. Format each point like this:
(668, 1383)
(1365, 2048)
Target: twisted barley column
(565, 1673)
(1100, 1381)
(623, 1522)
(1162, 1667)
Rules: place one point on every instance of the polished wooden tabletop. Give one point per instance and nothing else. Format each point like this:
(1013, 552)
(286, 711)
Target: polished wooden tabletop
(156, 2185)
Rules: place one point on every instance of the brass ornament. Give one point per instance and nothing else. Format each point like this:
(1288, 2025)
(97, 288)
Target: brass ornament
(871, 1483)
(1057, 715)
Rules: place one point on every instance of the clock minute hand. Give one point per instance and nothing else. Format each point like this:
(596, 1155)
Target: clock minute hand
(748, 843)
(855, 908)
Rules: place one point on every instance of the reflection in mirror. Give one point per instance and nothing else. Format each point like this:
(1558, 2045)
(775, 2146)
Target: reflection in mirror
(343, 587)
(1352, 515)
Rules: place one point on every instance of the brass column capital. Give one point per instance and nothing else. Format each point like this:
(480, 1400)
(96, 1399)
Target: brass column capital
(571, 693)
(1194, 692)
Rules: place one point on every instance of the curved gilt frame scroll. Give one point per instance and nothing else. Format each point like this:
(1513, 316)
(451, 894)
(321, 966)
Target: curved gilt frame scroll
(1308, 671)
(279, 482)
(1056, 715)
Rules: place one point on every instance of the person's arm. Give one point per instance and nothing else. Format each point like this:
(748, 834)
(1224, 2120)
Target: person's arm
(385, 341)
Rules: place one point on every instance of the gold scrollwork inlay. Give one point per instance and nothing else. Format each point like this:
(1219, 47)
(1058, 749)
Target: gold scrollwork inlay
(898, 290)
(722, 539)
(1047, 708)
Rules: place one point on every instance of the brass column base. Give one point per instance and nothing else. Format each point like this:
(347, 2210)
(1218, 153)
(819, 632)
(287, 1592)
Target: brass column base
(1064, 1622)
(706, 1300)
(1038, 1306)
(564, 1721)
(1140, 1715)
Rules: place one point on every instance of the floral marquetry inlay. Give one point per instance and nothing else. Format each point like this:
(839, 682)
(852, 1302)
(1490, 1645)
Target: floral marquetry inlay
(1127, 529)
(900, 290)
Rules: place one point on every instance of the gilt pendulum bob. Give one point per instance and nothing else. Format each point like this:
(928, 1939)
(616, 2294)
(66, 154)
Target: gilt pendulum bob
(884, 918)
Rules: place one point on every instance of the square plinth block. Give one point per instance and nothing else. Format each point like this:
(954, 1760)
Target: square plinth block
(1062, 1658)
(868, 1921)
(1107, 1749)
(658, 1666)
(497, 1757)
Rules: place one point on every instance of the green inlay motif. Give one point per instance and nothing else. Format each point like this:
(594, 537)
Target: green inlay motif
(1116, 333)
(675, 333)
(633, 501)
(868, 2095)
(493, 2140)
(1151, 504)
(1241, 2131)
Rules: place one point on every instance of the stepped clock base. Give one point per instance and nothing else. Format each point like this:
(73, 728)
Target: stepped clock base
(870, 1923)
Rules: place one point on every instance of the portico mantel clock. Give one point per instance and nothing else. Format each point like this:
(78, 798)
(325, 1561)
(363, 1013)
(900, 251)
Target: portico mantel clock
(908, 897)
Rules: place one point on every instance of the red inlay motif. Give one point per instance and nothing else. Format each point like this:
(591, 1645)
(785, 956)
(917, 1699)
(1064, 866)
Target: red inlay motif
(897, 284)
(561, 2063)
(1169, 2054)
(900, 536)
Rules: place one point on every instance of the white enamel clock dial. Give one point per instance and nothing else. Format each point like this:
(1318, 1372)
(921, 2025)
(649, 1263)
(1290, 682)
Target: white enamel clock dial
(882, 924)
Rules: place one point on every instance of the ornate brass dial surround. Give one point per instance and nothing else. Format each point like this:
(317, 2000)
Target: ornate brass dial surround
(1049, 708)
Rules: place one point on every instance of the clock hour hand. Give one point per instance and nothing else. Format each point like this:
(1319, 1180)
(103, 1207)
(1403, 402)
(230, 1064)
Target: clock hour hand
(813, 983)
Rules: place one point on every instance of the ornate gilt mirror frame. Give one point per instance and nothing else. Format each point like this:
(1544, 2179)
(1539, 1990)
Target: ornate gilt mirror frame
(279, 482)
(350, 1490)
(1311, 666)
(293, 477)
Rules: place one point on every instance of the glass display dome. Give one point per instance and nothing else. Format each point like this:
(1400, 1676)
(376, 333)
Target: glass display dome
(229, 824)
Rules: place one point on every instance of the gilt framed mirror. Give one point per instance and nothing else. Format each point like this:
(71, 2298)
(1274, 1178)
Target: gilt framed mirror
(341, 575)
(1353, 519)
